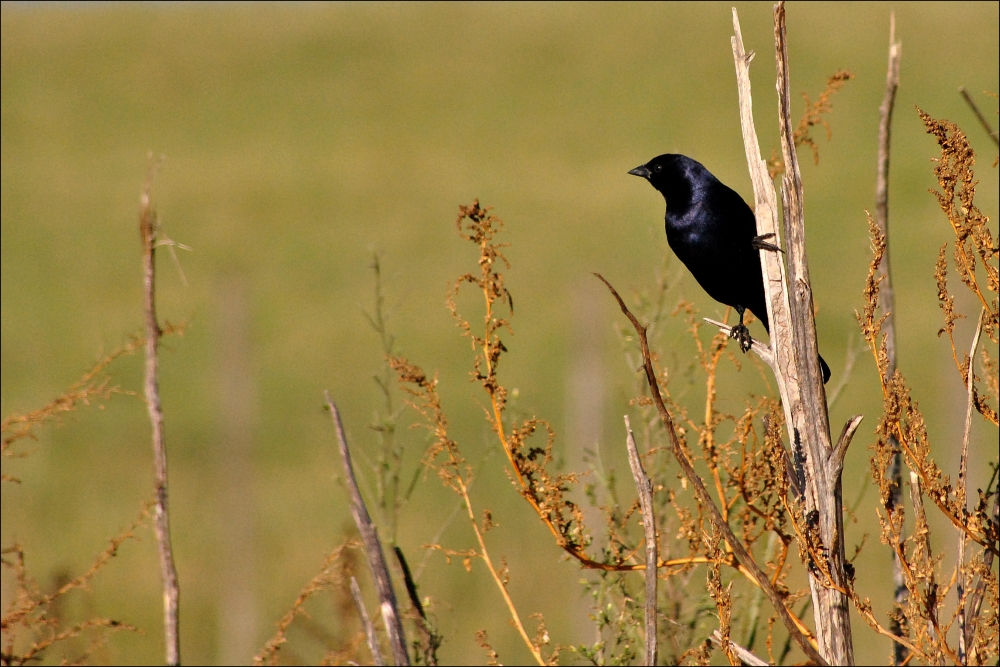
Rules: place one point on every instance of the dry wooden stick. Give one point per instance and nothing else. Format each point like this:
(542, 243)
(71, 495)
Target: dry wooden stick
(886, 301)
(366, 622)
(373, 548)
(766, 214)
(701, 493)
(831, 607)
(963, 483)
(746, 656)
(799, 295)
(161, 515)
(645, 488)
(793, 342)
(882, 189)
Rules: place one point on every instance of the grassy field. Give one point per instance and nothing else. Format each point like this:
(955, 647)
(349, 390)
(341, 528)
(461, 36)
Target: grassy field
(300, 139)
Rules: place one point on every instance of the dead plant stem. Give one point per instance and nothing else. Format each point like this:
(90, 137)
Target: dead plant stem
(900, 591)
(161, 514)
(963, 490)
(645, 489)
(366, 623)
(373, 547)
(485, 554)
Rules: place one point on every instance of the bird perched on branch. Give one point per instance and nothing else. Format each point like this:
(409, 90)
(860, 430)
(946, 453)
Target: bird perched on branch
(713, 231)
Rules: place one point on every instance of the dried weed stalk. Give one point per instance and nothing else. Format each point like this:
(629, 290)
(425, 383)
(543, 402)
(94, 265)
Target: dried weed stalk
(544, 491)
(31, 625)
(392, 491)
(903, 419)
(335, 572)
(922, 622)
(92, 387)
(812, 116)
(444, 456)
(974, 253)
(814, 112)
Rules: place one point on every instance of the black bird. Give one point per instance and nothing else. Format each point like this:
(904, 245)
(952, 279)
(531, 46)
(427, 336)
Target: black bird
(713, 231)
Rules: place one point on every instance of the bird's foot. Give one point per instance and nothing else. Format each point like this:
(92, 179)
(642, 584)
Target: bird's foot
(742, 336)
(760, 243)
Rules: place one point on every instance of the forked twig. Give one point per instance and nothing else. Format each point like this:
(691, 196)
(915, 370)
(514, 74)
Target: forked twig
(839, 452)
(759, 348)
(746, 656)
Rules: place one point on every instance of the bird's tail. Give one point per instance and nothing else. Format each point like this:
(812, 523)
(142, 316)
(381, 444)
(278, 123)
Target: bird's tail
(825, 369)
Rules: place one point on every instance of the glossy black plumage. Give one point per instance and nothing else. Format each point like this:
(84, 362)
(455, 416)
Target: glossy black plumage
(713, 232)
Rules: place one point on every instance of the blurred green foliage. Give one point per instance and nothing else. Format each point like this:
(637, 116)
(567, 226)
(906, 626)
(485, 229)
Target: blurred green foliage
(300, 139)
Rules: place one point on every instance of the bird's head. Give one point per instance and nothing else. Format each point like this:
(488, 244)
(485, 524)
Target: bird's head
(675, 177)
(662, 170)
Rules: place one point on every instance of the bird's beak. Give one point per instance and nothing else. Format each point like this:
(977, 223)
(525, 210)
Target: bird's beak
(642, 171)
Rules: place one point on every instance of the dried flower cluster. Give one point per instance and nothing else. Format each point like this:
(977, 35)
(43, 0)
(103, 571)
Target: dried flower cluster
(974, 253)
(812, 116)
(749, 472)
(32, 624)
(335, 573)
(925, 617)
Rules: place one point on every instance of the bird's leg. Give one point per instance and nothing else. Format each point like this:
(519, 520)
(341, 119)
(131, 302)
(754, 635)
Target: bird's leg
(741, 333)
(760, 243)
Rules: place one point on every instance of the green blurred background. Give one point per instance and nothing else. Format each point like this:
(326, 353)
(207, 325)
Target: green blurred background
(299, 139)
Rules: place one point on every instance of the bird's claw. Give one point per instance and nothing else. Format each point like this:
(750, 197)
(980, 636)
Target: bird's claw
(760, 243)
(742, 336)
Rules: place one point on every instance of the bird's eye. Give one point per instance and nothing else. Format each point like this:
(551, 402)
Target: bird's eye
(658, 168)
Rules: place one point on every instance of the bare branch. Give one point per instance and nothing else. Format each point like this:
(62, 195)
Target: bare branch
(963, 489)
(148, 229)
(366, 623)
(793, 342)
(823, 485)
(373, 547)
(645, 488)
(882, 188)
(747, 657)
(900, 652)
(759, 348)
